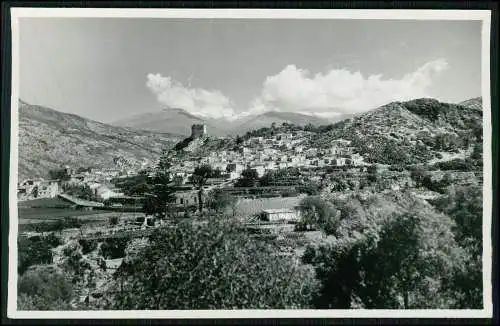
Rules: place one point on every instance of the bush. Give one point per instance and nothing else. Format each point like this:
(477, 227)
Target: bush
(320, 213)
(44, 288)
(397, 167)
(309, 254)
(114, 247)
(52, 240)
(458, 164)
(212, 266)
(219, 201)
(113, 220)
(88, 245)
(35, 250)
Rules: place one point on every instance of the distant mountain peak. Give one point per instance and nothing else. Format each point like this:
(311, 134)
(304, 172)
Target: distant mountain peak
(183, 112)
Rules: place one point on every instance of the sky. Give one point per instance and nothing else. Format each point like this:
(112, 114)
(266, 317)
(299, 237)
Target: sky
(107, 69)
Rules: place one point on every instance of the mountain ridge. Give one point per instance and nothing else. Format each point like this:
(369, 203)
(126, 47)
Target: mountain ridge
(179, 121)
(49, 138)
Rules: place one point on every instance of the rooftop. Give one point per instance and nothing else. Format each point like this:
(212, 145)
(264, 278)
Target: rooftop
(278, 210)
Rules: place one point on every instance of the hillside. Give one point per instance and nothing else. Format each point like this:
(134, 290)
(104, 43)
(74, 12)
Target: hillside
(49, 138)
(408, 132)
(473, 103)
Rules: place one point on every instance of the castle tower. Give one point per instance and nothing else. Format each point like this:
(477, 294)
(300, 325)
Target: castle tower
(198, 130)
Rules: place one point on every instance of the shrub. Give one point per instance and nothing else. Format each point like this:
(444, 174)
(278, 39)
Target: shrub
(114, 247)
(44, 288)
(35, 250)
(212, 266)
(88, 245)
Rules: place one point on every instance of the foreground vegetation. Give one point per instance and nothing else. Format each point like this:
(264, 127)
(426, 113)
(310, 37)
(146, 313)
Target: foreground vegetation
(388, 250)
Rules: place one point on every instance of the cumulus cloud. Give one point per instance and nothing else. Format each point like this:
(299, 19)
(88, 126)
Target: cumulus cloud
(293, 89)
(340, 90)
(197, 101)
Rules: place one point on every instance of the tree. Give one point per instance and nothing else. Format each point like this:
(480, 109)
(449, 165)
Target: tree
(80, 191)
(372, 173)
(113, 220)
(465, 206)
(219, 200)
(34, 192)
(477, 152)
(138, 189)
(249, 178)
(83, 169)
(60, 174)
(59, 226)
(400, 258)
(317, 212)
(212, 266)
(162, 193)
(199, 178)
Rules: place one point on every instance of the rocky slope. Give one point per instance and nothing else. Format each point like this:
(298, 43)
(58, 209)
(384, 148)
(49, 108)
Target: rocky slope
(473, 103)
(408, 132)
(49, 139)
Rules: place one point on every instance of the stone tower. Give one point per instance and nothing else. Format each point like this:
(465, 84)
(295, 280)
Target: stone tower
(198, 130)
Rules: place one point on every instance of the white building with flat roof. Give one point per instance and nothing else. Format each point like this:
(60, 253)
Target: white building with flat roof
(280, 214)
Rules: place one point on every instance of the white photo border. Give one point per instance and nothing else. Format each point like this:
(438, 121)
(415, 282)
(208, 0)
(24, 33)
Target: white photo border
(389, 14)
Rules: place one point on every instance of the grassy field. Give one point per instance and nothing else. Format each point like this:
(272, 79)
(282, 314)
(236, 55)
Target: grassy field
(52, 209)
(43, 202)
(54, 213)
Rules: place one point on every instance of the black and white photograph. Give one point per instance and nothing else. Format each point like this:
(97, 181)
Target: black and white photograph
(321, 163)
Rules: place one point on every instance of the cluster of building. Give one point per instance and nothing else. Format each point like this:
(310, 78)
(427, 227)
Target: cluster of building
(264, 154)
(261, 154)
(98, 180)
(38, 188)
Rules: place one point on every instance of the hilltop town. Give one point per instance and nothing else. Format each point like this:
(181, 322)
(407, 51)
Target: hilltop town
(266, 179)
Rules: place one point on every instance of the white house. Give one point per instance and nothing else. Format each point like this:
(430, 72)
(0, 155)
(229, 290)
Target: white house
(280, 214)
(104, 193)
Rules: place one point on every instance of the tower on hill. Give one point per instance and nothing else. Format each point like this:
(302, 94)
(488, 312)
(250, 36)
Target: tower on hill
(198, 130)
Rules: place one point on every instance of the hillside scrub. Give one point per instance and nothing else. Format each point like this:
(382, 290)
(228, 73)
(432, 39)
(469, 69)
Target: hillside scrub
(406, 132)
(35, 250)
(44, 288)
(211, 266)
